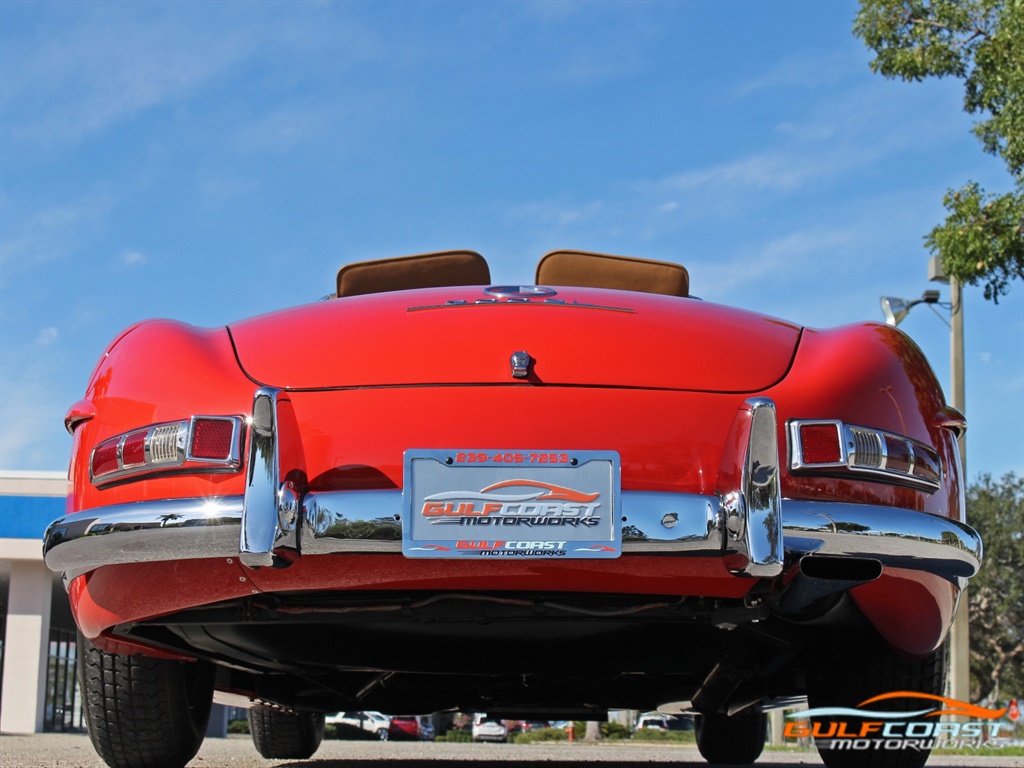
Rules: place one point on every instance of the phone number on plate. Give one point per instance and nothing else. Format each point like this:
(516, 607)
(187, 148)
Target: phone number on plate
(511, 458)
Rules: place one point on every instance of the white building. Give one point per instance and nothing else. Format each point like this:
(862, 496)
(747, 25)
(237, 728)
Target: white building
(39, 691)
(38, 641)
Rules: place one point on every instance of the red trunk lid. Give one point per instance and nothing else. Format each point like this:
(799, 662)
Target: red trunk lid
(578, 337)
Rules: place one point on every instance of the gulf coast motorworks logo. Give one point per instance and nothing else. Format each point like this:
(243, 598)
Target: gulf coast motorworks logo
(535, 504)
(868, 728)
(520, 502)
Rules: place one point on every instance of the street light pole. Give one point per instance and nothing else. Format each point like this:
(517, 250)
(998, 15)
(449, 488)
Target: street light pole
(956, 360)
(959, 636)
(895, 310)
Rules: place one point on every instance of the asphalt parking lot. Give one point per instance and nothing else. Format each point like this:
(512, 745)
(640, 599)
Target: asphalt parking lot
(75, 751)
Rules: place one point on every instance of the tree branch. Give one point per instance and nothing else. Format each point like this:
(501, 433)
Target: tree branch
(976, 33)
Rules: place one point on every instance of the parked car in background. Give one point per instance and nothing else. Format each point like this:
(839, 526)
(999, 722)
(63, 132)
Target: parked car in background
(427, 730)
(405, 727)
(364, 722)
(658, 721)
(652, 721)
(489, 729)
(525, 726)
(430, 493)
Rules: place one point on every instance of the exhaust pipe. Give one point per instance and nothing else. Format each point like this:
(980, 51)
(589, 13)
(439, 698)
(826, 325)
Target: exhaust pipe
(821, 577)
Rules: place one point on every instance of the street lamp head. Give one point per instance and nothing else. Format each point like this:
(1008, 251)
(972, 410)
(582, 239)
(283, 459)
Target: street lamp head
(894, 309)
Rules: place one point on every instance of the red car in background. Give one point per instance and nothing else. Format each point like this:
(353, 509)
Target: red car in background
(404, 728)
(537, 501)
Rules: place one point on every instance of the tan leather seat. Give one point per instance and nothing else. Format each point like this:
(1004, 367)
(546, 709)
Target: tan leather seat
(600, 270)
(425, 270)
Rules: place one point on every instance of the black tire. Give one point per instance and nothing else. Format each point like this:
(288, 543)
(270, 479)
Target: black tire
(868, 669)
(736, 740)
(283, 735)
(382, 734)
(143, 712)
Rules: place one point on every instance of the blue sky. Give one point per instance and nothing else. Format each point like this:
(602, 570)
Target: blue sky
(210, 161)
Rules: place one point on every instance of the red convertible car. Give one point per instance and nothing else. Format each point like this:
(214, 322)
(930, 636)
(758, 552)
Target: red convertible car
(537, 501)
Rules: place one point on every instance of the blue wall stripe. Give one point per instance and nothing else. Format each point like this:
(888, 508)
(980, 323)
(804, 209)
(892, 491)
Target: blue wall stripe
(26, 517)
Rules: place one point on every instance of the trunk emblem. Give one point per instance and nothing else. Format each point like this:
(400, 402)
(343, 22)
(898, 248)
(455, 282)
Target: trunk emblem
(520, 365)
(519, 291)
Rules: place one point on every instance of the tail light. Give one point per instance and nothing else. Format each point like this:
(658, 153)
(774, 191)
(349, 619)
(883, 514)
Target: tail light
(834, 448)
(198, 444)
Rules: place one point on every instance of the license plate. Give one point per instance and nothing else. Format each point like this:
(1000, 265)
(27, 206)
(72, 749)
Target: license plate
(511, 504)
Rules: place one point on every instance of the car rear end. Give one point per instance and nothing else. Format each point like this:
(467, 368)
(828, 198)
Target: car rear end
(504, 498)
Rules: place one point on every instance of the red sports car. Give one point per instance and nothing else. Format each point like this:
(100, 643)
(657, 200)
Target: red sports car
(537, 501)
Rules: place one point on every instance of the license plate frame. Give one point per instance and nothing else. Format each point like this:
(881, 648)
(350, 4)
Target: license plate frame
(502, 504)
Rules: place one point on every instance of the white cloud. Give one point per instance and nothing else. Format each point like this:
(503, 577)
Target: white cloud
(560, 215)
(761, 269)
(766, 170)
(49, 233)
(46, 337)
(804, 71)
(107, 70)
(31, 412)
(91, 66)
(216, 191)
(280, 131)
(807, 131)
(553, 10)
(133, 258)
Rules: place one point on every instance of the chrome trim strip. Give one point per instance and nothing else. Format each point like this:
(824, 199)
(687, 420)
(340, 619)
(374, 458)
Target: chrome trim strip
(762, 493)
(369, 522)
(269, 509)
(751, 492)
(671, 523)
(147, 531)
(898, 538)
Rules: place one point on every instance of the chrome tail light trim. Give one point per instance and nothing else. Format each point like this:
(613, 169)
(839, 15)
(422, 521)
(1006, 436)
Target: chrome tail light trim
(167, 449)
(863, 452)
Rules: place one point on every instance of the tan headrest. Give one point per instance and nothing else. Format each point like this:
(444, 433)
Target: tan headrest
(425, 270)
(599, 270)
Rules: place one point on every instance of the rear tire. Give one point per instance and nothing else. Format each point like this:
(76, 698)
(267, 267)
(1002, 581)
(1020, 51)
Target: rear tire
(863, 670)
(736, 740)
(283, 735)
(143, 712)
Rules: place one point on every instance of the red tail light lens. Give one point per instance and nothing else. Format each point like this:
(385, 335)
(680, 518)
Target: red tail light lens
(104, 458)
(133, 451)
(927, 466)
(898, 454)
(821, 443)
(211, 438)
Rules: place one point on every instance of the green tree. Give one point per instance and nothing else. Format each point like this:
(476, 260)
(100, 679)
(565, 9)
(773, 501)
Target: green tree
(996, 510)
(981, 42)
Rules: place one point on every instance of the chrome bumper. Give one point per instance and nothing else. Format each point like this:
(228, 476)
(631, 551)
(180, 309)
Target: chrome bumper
(370, 522)
(747, 519)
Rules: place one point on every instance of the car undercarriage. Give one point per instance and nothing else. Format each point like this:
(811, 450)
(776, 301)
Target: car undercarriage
(554, 656)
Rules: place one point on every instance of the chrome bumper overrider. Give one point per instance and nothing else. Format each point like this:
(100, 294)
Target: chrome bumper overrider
(369, 522)
(747, 518)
